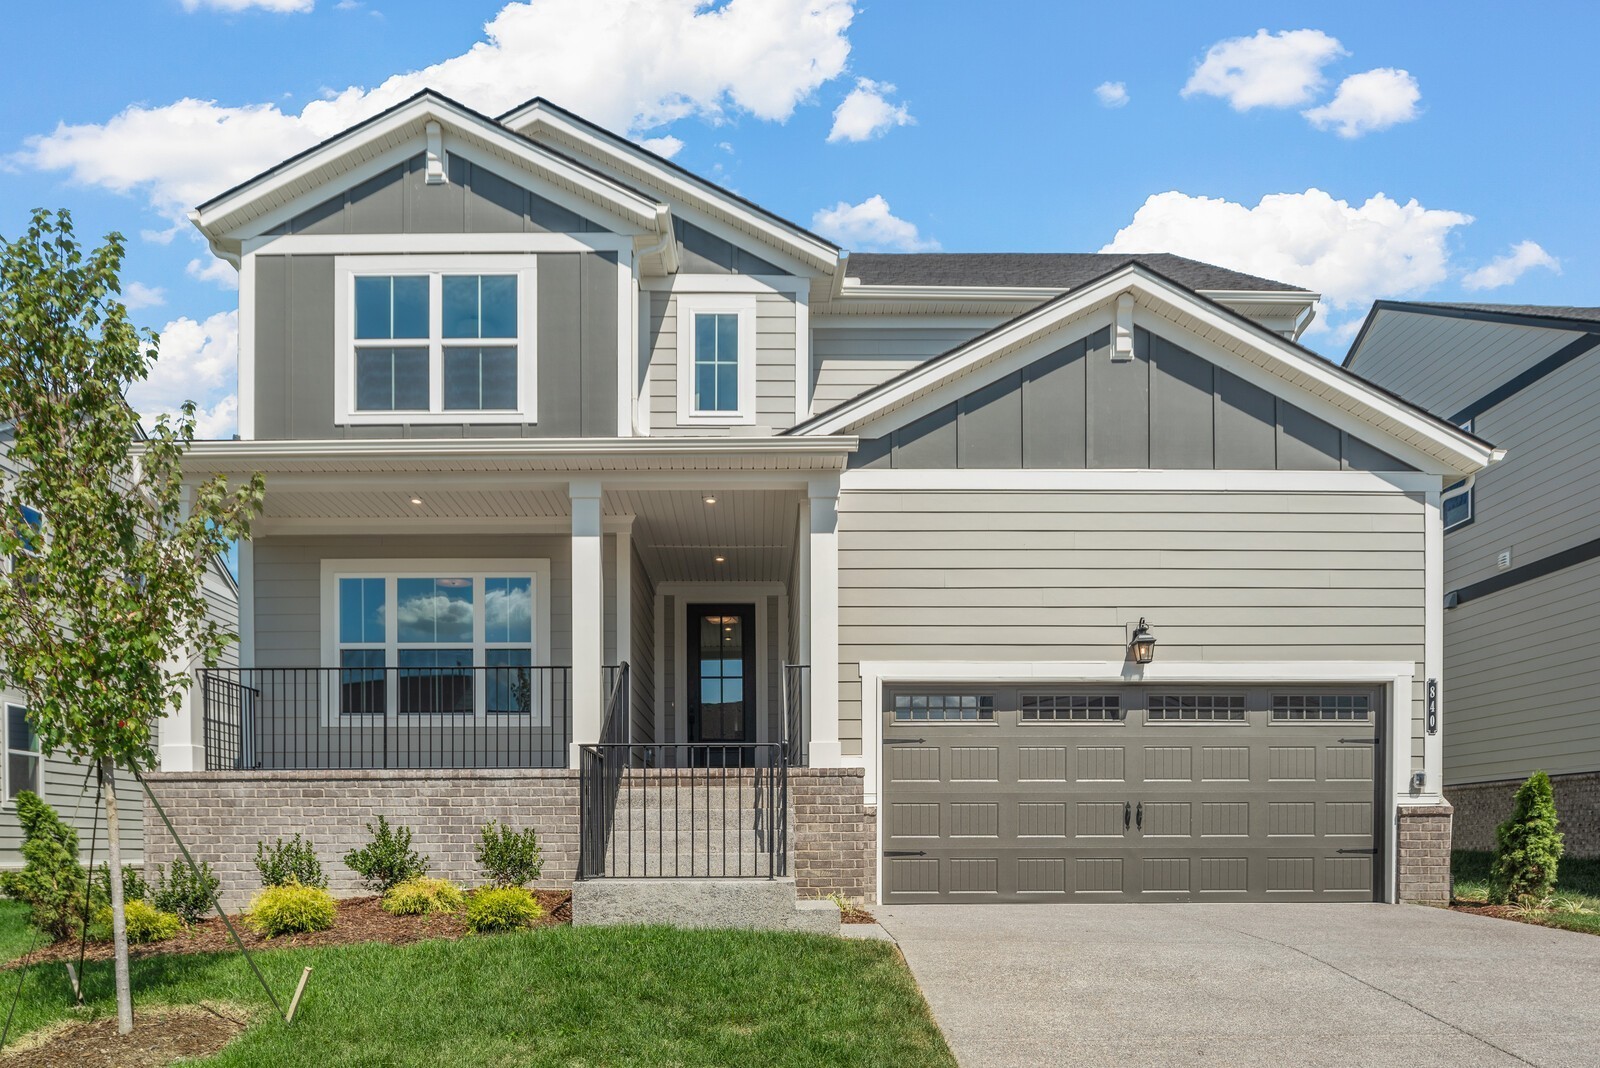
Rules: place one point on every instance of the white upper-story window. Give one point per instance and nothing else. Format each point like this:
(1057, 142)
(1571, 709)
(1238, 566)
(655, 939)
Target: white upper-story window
(445, 339)
(1456, 505)
(716, 359)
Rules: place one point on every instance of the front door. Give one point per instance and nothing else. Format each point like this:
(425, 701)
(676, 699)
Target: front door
(722, 676)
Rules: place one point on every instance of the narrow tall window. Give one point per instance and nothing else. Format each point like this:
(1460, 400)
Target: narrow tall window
(716, 362)
(22, 753)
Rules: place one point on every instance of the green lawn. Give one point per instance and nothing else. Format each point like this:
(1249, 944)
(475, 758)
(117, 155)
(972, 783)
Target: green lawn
(556, 996)
(1577, 895)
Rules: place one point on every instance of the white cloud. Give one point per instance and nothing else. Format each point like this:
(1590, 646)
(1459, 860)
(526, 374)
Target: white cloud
(230, 6)
(1275, 70)
(136, 295)
(197, 361)
(1504, 270)
(870, 225)
(1374, 100)
(1111, 94)
(218, 272)
(1350, 254)
(666, 147)
(629, 65)
(866, 113)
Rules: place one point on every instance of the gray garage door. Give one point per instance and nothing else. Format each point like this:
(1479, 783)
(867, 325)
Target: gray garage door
(1128, 793)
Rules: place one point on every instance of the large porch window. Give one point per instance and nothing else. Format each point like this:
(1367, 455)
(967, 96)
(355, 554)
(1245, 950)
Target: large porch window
(439, 640)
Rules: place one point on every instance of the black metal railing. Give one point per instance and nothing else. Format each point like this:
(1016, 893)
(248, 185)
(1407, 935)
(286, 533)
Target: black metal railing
(351, 718)
(682, 811)
(617, 725)
(796, 689)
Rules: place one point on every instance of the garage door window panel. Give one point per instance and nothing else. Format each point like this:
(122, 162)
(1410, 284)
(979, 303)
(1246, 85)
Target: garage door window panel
(944, 708)
(1321, 708)
(1072, 708)
(1196, 708)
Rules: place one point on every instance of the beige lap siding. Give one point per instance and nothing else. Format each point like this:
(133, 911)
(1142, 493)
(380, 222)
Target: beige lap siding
(1055, 576)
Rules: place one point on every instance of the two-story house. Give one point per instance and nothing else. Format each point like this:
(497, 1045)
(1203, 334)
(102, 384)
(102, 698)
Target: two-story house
(594, 487)
(1522, 562)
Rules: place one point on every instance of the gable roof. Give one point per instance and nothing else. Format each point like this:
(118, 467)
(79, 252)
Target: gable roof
(652, 168)
(1324, 387)
(1547, 316)
(397, 129)
(1041, 270)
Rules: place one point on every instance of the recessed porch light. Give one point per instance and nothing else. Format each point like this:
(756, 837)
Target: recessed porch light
(710, 498)
(416, 500)
(720, 559)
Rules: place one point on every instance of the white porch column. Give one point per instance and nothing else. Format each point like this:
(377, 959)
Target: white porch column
(181, 732)
(1433, 643)
(822, 592)
(588, 615)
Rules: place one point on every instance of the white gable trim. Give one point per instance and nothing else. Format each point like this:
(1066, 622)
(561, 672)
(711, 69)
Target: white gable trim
(701, 203)
(400, 133)
(1257, 355)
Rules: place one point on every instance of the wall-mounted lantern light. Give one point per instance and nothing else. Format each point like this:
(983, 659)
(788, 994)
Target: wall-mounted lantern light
(1143, 643)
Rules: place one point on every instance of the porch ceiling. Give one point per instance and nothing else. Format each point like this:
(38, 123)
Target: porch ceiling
(679, 536)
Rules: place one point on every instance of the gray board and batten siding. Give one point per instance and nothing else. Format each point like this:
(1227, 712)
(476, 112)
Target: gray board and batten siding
(1166, 408)
(576, 299)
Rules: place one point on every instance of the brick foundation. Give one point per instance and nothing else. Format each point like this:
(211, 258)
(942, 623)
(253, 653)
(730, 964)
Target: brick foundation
(1481, 807)
(222, 815)
(835, 833)
(1423, 859)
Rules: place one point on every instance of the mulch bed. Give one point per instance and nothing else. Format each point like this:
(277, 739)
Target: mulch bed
(160, 1037)
(360, 919)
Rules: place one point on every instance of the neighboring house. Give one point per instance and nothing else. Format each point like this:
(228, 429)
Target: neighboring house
(1522, 559)
(873, 535)
(67, 785)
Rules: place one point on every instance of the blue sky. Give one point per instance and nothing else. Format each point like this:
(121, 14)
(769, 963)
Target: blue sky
(965, 126)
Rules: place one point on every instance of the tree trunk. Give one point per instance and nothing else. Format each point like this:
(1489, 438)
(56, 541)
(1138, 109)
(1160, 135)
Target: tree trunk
(119, 918)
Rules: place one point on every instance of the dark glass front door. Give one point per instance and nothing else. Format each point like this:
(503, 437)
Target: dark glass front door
(722, 674)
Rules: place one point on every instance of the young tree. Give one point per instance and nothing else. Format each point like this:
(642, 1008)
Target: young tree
(1527, 847)
(107, 546)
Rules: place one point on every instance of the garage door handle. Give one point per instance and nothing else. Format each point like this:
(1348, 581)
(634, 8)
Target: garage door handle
(1138, 817)
(905, 853)
(1372, 851)
(1358, 741)
(1127, 815)
(904, 741)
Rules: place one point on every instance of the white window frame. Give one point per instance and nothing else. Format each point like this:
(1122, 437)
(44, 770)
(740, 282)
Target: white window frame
(690, 305)
(37, 754)
(347, 268)
(474, 569)
(1466, 490)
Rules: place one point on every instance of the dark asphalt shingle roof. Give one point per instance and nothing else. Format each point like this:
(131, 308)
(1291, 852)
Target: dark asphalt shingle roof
(1542, 311)
(1039, 270)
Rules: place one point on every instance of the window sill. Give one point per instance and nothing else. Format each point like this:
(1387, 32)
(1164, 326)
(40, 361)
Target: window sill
(475, 417)
(714, 419)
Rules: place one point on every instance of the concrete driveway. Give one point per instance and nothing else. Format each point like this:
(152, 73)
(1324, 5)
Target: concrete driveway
(1340, 985)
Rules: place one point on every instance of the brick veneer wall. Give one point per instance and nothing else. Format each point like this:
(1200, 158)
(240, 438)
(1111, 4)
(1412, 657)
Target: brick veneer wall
(1481, 807)
(221, 816)
(835, 833)
(1423, 860)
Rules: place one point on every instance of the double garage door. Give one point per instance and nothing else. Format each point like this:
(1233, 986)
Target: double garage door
(1131, 793)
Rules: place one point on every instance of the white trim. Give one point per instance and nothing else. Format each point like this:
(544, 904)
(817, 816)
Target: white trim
(246, 603)
(588, 594)
(245, 363)
(346, 269)
(1394, 676)
(822, 564)
(1432, 791)
(1107, 480)
(639, 373)
(306, 177)
(690, 305)
(1447, 444)
(433, 244)
(622, 541)
(475, 568)
(802, 357)
(787, 284)
(828, 317)
(627, 310)
(494, 524)
(436, 172)
(755, 594)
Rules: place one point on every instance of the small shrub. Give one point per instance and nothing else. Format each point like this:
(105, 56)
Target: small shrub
(182, 891)
(291, 909)
(52, 882)
(288, 862)
(388, 859)
(509, 857)
(134, 888)
(504, 908)
(1527, 847)
(145, 923)
(423, 897)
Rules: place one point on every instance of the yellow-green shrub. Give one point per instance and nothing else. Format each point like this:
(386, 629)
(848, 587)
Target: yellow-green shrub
(146, 923)
(502, 909)
(291, 909)
(423, 896)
